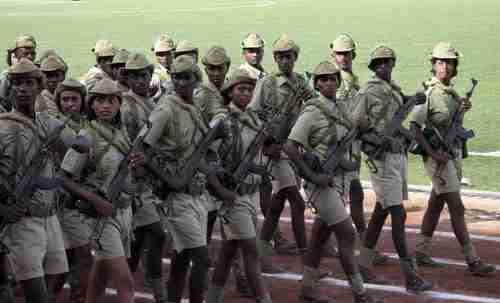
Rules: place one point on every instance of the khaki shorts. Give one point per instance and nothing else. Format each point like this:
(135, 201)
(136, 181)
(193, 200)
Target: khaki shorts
(240, 221)
(36, 247)
(76, 227)
(210, 202)
(187, 220)
(451, 174)
(329, 203)
(283, 174)
(112, 236)
(390, 182)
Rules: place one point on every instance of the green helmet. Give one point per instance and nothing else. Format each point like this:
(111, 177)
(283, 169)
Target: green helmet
(183, 63)
(70, 85)
(216, 55)
(252, 40)
(52, 63)
(381, 52)
(104, 48)
(25, 67)
(237, 77)
(325, 68)
(25, 40)
(185, 46)
(284, 43)
(444, 50)
(121, 56)
(105, 86)
(137, 61)
(164, 43)
(343, 43)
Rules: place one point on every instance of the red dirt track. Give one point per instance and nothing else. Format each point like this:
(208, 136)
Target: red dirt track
(453, 280)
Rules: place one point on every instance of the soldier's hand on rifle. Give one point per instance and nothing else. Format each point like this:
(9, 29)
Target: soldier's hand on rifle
(13, 213)
(323, 180)
(137, 161)
(465, 104)
(440, 156)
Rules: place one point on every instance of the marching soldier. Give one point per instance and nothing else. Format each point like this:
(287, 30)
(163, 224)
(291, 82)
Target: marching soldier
(135, 110)
(112, 232)
(378, 101)
(24, 47)
(321, 124)
(117, 66)
(54, 70)
(104, 53)
(70, 102)
(31, 230)
(253, 53)
(163, 48)
(177, 128)
(239, 213)
(443, 104)
(272, 96)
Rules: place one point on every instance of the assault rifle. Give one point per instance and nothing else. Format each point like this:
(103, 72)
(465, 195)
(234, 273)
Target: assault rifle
(457, 134)
(392, 130)
(181, 179)
(335, 159)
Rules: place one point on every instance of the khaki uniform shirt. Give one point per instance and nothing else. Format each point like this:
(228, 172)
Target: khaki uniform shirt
(176, 128)
(376, 104)
(46, 102)
(4, 84)
(441, 104)
(135, 111)
(255, 73)
(209, 100)
(272, 93)
(319, 126)
(21, 138)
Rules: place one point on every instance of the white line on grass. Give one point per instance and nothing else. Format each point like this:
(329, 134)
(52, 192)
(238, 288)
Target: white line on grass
(412, 231)
(396, 289)
(486, 154)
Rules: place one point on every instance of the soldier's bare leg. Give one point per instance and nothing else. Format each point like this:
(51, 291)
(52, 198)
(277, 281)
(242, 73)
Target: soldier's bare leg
(177, 277)
(297, 206)
(137, 247)
(356, 197)
(35, 290)
(198, 279)
(6, 292)
(252, 268)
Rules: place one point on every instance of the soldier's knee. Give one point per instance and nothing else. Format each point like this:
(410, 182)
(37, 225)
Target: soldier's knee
(457, 209)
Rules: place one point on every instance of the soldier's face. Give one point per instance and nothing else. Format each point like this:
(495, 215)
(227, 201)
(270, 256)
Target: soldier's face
(241, 94)
(139, 81)
(25, 52)
(24, 90)
(253, 55)
(116, 72)
(327, 85)
(165, 58)
(383, 68)
(70, 102)
(106, 107)
(344, 60)
(53, 79)
(184, 84)
(444, 68)
(286, 61)
(216, 73)
(105, 64)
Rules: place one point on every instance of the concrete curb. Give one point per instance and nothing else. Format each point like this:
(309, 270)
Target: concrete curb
(465, 192)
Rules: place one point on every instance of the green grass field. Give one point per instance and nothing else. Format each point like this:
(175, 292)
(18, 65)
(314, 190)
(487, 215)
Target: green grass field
(410, 27)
